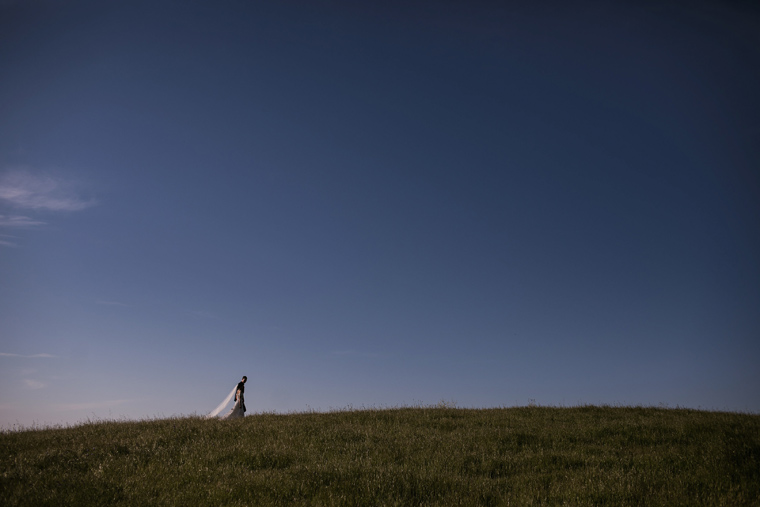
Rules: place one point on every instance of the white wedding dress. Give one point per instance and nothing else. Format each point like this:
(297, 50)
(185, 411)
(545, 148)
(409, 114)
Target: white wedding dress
(237, 410)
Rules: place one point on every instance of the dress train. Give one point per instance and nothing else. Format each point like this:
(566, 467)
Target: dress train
(223, 404)
(237, 411)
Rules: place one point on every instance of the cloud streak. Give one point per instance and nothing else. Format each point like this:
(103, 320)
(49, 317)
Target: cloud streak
(24, 190)
(34, 384)
(19, 221)
(5, 239)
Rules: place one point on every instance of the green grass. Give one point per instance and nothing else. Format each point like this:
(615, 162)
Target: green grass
(613, 456)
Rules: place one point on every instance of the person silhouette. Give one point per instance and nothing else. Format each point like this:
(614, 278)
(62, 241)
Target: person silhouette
(238, 410)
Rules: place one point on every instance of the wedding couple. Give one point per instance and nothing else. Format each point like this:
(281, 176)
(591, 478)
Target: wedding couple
(238, 410)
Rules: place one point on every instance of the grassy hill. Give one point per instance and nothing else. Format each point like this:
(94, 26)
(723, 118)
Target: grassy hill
(406, 456)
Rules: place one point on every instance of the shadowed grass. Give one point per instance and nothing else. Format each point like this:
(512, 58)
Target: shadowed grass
(406, 456)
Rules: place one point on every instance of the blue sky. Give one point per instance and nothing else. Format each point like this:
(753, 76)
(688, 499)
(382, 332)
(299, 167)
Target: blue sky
(388, 204)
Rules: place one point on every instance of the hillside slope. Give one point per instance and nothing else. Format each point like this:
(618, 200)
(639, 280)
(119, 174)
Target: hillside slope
(405, 456)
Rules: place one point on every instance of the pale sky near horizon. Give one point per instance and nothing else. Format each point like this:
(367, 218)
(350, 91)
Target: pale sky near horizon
(376, 204)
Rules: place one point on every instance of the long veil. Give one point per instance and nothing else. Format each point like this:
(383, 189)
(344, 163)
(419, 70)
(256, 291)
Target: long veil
(223, 404)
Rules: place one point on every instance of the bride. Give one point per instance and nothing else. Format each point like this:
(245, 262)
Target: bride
(238, 410)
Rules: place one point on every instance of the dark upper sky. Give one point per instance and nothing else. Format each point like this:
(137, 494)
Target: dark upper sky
(412, 201)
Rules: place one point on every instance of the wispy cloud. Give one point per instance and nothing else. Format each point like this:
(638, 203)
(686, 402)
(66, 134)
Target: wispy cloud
(6, 354)
(34, 384)
(19, 221)
(33, 192)
(22, 189)
(5, 239)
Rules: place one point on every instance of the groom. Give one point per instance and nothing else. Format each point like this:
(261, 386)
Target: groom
(240, 390)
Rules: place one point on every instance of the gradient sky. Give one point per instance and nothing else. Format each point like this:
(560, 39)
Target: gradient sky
(390, 203)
